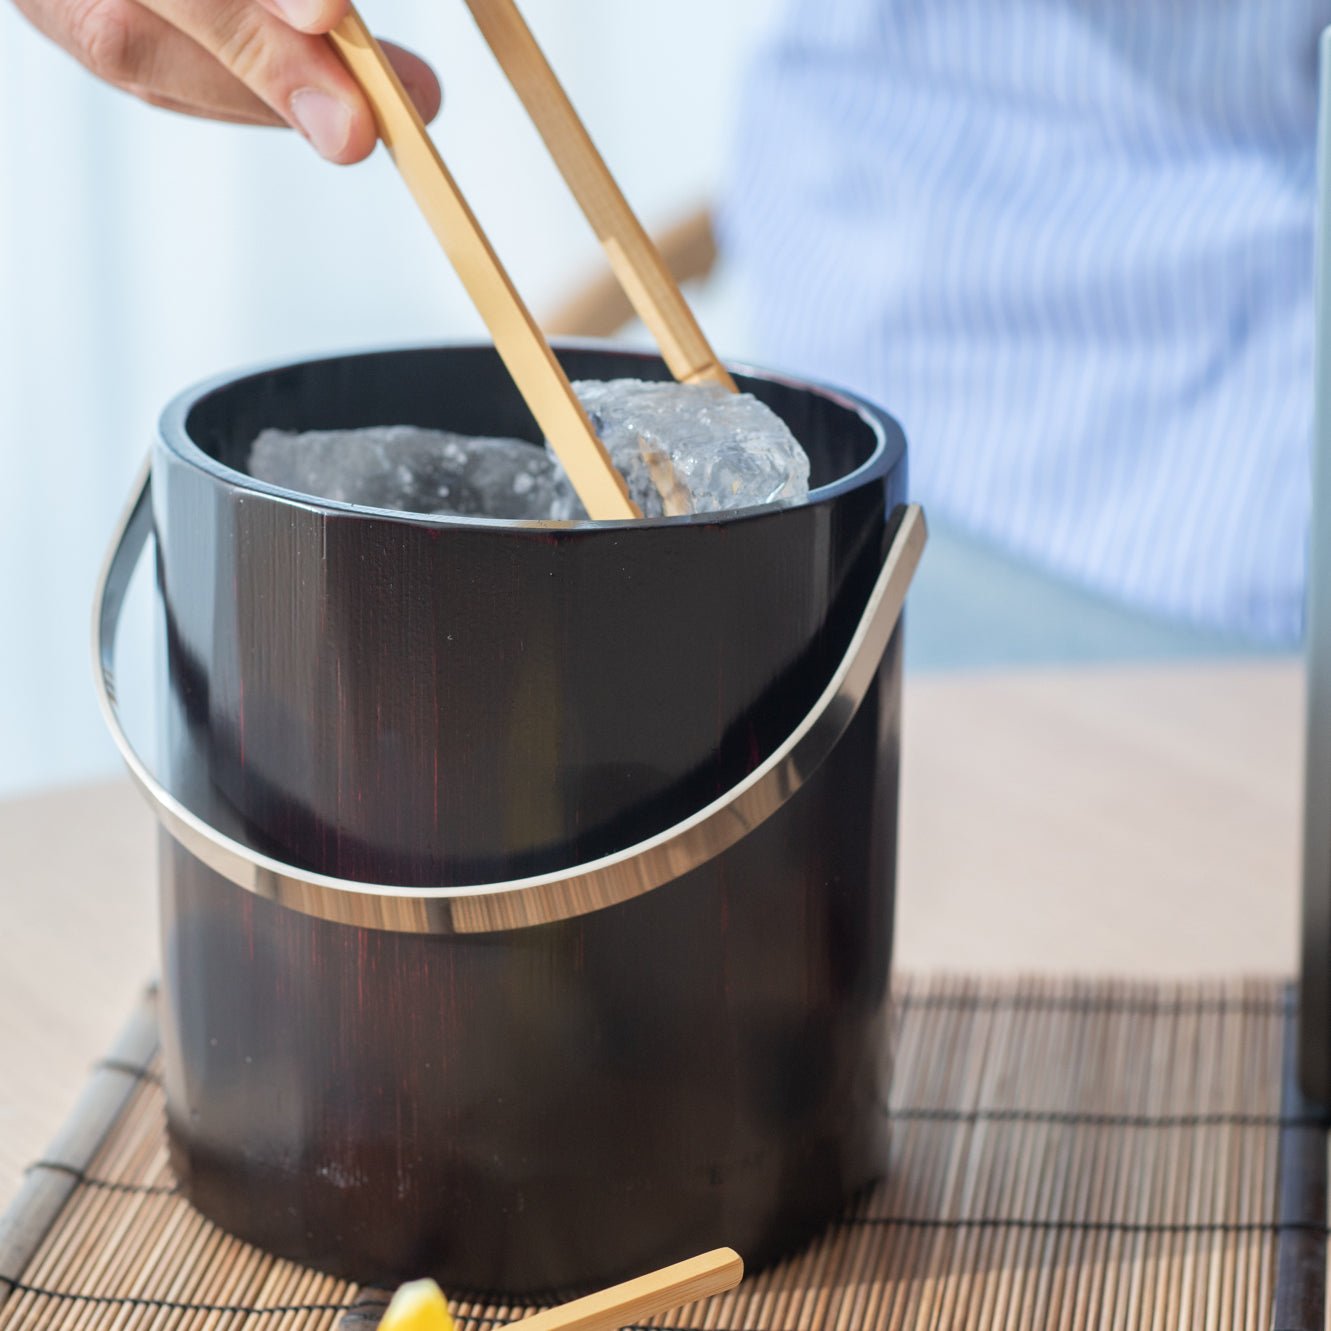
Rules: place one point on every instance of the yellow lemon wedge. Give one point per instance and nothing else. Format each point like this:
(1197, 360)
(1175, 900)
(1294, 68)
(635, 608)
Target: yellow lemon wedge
(418, 1306)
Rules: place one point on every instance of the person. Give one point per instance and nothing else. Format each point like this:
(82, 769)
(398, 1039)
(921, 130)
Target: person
(1069, 243)
(258, 62)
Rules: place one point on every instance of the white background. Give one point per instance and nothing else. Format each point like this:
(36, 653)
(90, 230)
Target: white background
(140, 252)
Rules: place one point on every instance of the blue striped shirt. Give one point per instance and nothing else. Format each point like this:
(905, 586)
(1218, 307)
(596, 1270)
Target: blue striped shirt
(1069, 244)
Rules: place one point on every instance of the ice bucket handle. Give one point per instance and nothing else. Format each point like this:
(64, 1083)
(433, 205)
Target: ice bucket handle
(543, 898)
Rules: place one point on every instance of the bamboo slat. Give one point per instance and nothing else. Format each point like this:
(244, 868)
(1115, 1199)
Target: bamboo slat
(1064, 1155)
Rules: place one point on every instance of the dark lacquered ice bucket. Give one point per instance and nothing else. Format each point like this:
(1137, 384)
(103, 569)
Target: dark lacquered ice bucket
(634, 788)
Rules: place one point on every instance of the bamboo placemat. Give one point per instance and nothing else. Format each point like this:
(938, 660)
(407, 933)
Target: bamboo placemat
(1064, 1155)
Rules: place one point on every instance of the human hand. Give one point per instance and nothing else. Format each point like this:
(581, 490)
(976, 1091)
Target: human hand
(257, 62)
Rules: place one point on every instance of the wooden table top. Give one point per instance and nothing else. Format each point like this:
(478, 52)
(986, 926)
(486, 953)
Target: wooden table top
(1102, 821)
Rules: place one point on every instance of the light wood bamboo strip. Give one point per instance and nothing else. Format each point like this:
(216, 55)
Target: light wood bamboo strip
(1253, 1062)
(145, 1254)
(916, 1185)
(985, 1180)
(1046, 1158)
(973, 1038)
(223, 1280)
(177, 1254)
(1173, 1165)
(778, 1303)
(1199, 1247)
(919, 1183)
(634, 259)
(1147, 1064)
(1267, 1268)
(87, 1208)
(1042, 1182)
(1103, 1038)
(1148, 1163)
(1236, 1203)
(1155, 1180)
(1134, 1153)
(861, 1243)
(963, 1293)
(1038, 1308)
(517, 338)
(1262, 1255)
(1267, 1066)
(964, 1037)
(644, 1297)
(43, 1195)
(1078, 1200)
(1023, 1149)
(857, 1240)
(999, 1171)
(1230, 1150)
(1248, 1053)
(1193, 1182)
(951, 1080)
(1081, 1053)
(184, 1263)
(215, 1287)
(1208, 1171)
(1184, 1169)
(109, 1250)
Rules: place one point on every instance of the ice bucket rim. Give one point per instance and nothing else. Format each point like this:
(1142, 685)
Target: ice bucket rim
(173, 433)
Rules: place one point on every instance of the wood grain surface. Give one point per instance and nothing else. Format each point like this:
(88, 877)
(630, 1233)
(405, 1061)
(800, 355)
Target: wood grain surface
(1125, 821)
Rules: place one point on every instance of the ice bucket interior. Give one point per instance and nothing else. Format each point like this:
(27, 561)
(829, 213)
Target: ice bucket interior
(467, 390)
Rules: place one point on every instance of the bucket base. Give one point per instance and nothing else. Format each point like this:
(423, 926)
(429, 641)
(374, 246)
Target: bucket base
(475, 1254)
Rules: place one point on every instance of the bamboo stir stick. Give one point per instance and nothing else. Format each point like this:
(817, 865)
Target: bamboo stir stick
(647, 1296)
(518, 339)
(636, 261)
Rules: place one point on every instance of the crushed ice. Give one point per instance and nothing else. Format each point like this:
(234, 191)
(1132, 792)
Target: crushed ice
(681, 448)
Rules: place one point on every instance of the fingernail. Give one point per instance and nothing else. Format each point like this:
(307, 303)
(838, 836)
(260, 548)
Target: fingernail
(300, 13)
(323, 119)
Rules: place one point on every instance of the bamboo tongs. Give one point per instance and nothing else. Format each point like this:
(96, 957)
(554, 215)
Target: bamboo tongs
(637, 264)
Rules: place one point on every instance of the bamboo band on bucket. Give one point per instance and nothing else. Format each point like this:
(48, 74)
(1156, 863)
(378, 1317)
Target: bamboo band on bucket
(518, 339)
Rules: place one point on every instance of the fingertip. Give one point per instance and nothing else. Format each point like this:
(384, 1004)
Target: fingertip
(312, 16)
(338, 120)
(418, 79)
(328, 14)
(428, 99)
(340, 130)
(360, 144)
